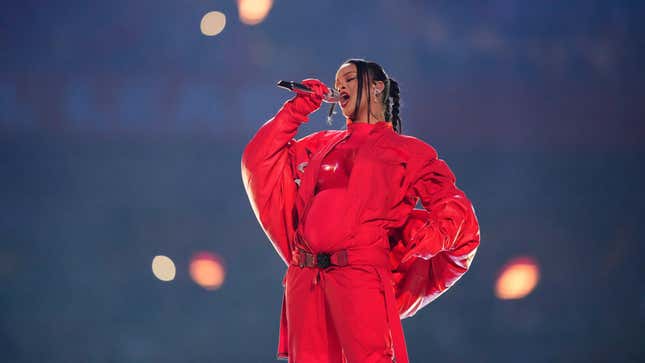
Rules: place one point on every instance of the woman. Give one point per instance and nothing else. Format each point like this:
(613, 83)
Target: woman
(338, 206)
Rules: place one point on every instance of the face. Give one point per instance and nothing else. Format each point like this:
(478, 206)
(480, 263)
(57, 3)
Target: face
(347, 84)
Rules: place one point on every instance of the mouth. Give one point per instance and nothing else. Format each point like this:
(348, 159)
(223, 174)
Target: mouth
(344, 99)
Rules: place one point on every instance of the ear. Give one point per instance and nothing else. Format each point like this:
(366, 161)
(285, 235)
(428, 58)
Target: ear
(378, 86)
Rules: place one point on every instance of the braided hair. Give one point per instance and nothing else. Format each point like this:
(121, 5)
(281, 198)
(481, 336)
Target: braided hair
(368, 72)
(392, 112)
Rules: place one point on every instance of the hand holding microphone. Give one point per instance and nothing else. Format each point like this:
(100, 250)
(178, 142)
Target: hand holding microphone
(332, 96)
(310, 93)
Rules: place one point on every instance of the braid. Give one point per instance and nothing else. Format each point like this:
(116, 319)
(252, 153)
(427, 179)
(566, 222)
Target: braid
(394, 96)
(387, 102)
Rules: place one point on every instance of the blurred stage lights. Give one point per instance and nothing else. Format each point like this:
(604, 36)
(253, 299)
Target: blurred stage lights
(253, 12)
(163, 268)
(207, 270)
(213, 23)
(517, 278)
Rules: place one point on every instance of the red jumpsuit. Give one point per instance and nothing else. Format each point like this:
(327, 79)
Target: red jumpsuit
(355, 190)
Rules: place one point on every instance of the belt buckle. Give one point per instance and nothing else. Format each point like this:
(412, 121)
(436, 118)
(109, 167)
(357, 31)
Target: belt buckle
(323, 260)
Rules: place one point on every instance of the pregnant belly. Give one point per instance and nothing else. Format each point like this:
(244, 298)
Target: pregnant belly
(326, 223)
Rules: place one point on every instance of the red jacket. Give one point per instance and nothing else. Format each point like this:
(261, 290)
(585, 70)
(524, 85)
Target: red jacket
(390, 172)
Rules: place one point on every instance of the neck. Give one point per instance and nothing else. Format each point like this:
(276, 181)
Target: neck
(373, 118)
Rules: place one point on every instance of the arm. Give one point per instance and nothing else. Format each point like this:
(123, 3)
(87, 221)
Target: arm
(441, 242)
(267, 171)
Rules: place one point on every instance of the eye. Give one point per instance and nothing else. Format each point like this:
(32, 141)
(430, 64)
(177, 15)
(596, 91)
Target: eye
(346, 81)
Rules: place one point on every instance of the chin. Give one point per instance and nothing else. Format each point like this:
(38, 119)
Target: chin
(347, 110)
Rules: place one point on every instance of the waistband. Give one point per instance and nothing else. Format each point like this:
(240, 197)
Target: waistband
(323, 260)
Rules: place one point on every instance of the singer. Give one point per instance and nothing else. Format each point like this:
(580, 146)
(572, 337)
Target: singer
(338, 207)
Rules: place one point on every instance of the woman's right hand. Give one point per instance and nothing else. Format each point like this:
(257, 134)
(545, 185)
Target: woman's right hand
(306, 103)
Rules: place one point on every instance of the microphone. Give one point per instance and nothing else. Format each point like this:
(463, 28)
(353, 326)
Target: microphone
(332, 97)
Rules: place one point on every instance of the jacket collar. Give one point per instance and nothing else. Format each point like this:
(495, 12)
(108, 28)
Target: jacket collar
(359, 127)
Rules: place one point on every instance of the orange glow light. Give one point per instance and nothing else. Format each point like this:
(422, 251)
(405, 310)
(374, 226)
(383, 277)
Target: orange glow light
(253, 12)
(517, 278)
(207, 270)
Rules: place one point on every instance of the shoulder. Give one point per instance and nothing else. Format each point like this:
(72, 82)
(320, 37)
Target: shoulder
(417, 148)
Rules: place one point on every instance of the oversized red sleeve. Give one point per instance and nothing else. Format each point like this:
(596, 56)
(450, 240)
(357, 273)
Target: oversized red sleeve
(442, 240)
(268, 175)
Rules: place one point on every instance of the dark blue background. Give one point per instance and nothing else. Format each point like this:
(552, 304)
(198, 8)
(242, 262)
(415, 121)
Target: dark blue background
(122, 127)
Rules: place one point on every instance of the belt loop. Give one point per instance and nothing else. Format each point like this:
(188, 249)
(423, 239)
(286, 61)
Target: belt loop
(309, 259)
(340, 258)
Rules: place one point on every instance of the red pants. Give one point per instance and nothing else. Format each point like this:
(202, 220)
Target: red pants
(342, 314)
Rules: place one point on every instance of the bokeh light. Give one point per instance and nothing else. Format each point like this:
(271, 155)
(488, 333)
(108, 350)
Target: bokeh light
(207, 270)
(213, 23)
(517, 278)
(253, 12)
(163, 268)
